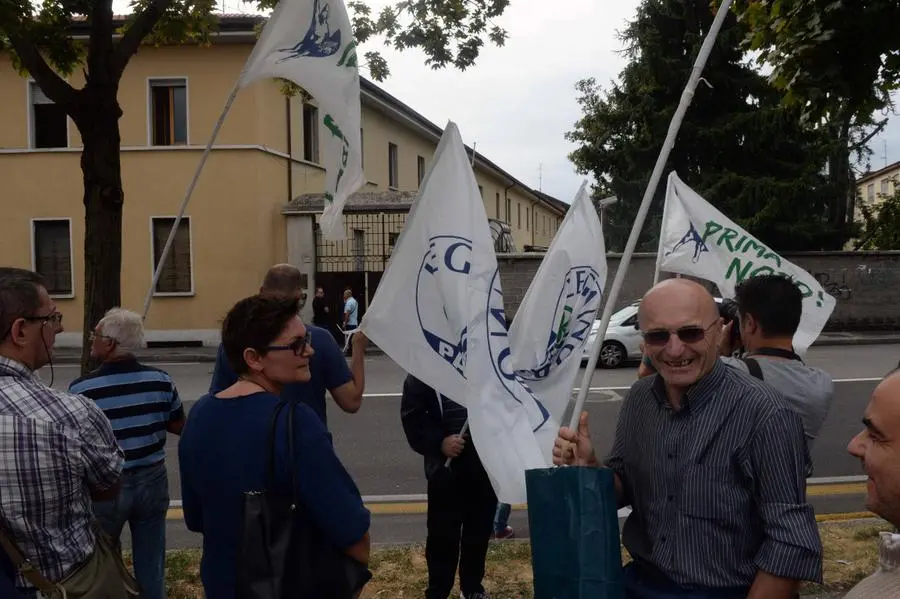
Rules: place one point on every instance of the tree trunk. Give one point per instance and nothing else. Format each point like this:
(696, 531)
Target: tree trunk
(98, 122)
(841, 209)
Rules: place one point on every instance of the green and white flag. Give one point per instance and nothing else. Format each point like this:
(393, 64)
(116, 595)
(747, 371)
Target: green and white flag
(700, 241)
(310, 42)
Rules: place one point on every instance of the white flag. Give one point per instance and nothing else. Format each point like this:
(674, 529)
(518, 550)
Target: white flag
(699, 240)
(310, 42)
(554, 320)
(438, 313)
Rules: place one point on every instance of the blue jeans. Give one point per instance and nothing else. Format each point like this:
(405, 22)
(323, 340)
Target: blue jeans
(142, 503)
(642, 584)
(501, 517)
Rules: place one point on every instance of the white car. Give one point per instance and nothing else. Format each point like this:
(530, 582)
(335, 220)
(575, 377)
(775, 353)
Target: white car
(622, 341)
(623, 338)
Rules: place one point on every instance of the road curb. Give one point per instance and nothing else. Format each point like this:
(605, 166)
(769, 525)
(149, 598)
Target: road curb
(873, 340)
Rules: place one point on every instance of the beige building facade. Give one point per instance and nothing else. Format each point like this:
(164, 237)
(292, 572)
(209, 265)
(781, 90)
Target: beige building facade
(251, 207)
(873, 187)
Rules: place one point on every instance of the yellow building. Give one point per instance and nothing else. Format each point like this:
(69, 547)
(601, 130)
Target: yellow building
(873, 187)
(254, 204)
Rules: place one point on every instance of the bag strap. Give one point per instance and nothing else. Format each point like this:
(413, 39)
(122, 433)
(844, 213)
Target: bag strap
(26, 568)
(754, 367)
(776, 352)
(273, 428)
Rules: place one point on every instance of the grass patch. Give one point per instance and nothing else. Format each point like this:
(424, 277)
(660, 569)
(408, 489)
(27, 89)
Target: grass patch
(851, 554)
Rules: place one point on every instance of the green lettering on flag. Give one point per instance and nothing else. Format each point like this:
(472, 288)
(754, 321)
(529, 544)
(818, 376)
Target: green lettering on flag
(348, 58)
(712, 227)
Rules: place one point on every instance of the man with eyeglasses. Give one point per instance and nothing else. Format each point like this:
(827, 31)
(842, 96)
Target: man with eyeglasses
(712, 462)
(769, 308)
(57, 450)
(327, 365)
(142, 404)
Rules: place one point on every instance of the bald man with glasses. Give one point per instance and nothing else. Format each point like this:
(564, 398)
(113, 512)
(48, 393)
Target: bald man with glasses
(712, 462)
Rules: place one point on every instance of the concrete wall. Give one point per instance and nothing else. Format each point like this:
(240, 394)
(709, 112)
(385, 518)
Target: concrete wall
(865, 284)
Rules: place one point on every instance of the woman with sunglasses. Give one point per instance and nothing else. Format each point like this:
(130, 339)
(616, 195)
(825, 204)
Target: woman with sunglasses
(224, 447)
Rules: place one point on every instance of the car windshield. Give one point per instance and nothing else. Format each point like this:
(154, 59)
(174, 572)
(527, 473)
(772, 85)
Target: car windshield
(623, 314)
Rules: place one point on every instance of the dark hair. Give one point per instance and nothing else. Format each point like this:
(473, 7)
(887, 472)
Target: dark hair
(775, 301)
(255, 322)
(19, 296)
(282, 279)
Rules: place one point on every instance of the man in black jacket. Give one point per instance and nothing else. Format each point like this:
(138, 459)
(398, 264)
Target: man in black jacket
(461, 501)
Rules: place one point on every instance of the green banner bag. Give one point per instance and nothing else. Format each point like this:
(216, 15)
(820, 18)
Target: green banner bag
(574, 529)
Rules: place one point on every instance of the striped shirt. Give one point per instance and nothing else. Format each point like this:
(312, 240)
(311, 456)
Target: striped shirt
(140, 402)
(53, 447)
(718, 487)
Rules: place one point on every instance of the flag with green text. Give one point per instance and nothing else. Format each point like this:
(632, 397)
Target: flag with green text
(310, 42)
(698, 240)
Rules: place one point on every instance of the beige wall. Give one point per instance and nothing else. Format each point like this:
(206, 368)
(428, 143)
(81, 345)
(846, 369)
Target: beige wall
(237, 227)
(872, 191)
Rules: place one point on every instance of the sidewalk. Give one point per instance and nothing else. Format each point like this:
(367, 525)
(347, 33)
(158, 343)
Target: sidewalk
(72, 355)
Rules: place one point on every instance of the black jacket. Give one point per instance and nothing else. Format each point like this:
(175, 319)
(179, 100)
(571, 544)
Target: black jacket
(426, 424)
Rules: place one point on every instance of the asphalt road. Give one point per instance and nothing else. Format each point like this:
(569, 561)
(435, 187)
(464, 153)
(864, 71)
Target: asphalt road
(372, 446)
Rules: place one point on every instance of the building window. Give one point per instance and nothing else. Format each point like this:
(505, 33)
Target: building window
(884, 186)
(420, 168)
(508, 211)
(52, 247)
(168, 112)
(393, 175)
(519, 214)
(870, 191)
(177, 272)
(527, 219)
(362, 154)
(310, 133)
(49, 125)
(497, 205)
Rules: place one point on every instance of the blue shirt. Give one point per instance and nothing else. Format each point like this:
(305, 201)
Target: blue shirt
(222, 454)
(140, 401)
(352, 306)
(327, 366)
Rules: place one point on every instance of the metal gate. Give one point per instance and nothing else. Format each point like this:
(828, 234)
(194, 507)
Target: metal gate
(358, 260)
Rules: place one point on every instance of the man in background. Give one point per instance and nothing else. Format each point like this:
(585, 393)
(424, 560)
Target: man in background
(142, 404)
(327, 365)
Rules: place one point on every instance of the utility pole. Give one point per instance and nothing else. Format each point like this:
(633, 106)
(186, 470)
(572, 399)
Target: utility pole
(541, 177)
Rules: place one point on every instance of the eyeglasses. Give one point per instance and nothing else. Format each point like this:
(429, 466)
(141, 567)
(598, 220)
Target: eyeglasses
(688, 334)
(54, 318)
(298, 345)
(94, 336)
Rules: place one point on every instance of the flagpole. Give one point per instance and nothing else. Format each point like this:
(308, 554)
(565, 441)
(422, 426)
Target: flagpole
(662, 227)
(187, 196)
(687, 97)
(462, 431)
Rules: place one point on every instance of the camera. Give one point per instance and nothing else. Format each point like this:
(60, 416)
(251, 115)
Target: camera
(728, 310)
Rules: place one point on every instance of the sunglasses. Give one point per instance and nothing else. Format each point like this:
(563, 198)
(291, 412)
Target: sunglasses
(55, 318)
(298, 345)
(688, 334)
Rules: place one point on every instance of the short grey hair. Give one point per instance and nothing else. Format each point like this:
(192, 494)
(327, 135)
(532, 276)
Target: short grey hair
(125, 326)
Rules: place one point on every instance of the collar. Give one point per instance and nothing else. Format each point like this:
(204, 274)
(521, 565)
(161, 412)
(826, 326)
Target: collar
(697, 395)
(121, 364)
(10, 367)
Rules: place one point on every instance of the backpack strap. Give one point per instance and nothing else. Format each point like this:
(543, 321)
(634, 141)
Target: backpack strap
(24, 566)
(754, 367)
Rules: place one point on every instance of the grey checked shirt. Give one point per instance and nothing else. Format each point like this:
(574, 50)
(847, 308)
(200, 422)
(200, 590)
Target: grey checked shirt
(717, 488)
(52, 446)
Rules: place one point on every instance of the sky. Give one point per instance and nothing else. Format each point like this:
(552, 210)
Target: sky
(518, 101)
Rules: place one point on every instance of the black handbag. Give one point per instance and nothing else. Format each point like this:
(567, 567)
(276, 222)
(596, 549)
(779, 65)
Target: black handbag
(283, 553)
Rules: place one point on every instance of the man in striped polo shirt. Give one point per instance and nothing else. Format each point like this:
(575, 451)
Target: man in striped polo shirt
(142, 405)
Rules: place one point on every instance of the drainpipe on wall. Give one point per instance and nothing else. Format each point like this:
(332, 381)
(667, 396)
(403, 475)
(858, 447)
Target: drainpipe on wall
(290, 151)
(505, 204)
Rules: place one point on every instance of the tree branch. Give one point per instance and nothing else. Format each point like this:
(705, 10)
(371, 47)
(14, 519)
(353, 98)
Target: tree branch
(140, 28)
(55, 87)
(879, 127)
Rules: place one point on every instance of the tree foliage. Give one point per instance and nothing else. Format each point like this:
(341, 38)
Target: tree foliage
(38, 36)
(881, 230)
(838, 62)
(738, 146)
